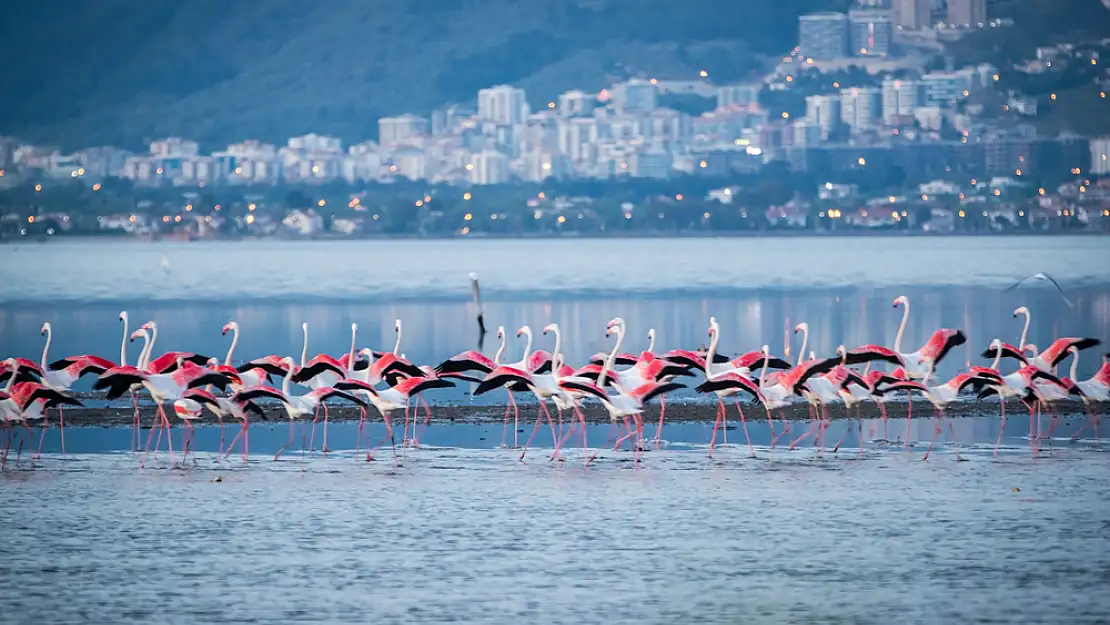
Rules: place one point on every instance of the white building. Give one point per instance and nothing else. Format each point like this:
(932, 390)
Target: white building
(316, 143)
(900, 98)
(824, 110)
(1100, 156)
(304, 222)
(947, 88)
(488, 167)
(860, 107)
(503, 105)
(392, 130)
(651, 162)
(411, 163)
(634, 95)
(576, 103)
(738, 95)
(173, 147)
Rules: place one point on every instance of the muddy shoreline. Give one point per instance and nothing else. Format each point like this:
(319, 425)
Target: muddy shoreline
(677, 411)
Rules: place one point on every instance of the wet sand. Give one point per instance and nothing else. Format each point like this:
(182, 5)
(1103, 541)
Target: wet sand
(677, 410)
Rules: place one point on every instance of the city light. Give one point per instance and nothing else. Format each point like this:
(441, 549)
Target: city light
(785, 115)
(96, 187)
(251, 207)
(31, 219)
(562, 219)
(703, 73)
(250, 219)
(321, 203)
(38, 187)
(678, 196)
(466, 196)
(703, 164)
(419, 203)
(468, 217)
(861, 161)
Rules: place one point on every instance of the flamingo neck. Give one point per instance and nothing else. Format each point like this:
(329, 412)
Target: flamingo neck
(802, 349)
(11, 380)
(500, 351)
(46, 347)
(123, 343)
(149, 347)
(902, 326)
(997, 357)
(763, 372)
(1074, 366)
(351, 358)
(397, 343)
(527, 344)
(1025, 333)
(612, 358)
(555, 356)
(234, 342)
(285, 381)
(304, 345)
(651, 341)
(712, 353)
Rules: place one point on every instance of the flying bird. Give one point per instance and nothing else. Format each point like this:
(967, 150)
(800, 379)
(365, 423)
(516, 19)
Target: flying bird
(1040, 275)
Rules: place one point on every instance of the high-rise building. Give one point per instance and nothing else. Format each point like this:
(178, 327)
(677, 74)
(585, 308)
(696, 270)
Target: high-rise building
(576, 103)
(1100, 156)
(900, 98)
(503, 105)
(824, 110)
(635, 95)
(860, 107)
(738, 95)
(872, 30)
(823, 36)
(392, 130)
(947, 88)
(913, 14)
(967, 13)
(488, 167)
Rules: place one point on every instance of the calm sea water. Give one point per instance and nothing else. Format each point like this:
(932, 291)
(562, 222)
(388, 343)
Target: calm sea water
(463, 531)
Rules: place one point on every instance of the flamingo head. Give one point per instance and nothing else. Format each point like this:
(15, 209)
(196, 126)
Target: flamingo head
(801, 327)
(304, 326)
(289, 362)
(1029, 347)
(713, 325)
(212, 363)
(473, 277)
(147, 326)
(551, 327)
(766, 349)
(500, 332)
(1021, 310)
(610, 330)
(140, 333)
(521, 331)
(651, 334)
(842, 351)
(354, 327)
(900, 301)
(397, 325)
(123, 315)
(229, 326)
(45, 328)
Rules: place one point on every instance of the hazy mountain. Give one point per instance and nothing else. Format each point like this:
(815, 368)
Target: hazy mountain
(121, 71)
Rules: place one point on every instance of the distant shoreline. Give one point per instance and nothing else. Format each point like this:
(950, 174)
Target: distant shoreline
(786, 234)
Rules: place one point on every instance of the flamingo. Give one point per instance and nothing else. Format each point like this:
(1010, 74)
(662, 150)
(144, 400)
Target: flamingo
(61, 374)
(10, 410)
(624, 404)
(472, 360)
(934, 350)
(33, 399)
(194, 399)
(296, 406)
(161, 386)
(254, 372)
(168, 362)
(1054, 354)
(1092, 390)
(1018, 384)
(942, 395)
(397, 397)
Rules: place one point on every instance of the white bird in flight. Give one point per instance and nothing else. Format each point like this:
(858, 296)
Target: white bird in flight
(1040, 275)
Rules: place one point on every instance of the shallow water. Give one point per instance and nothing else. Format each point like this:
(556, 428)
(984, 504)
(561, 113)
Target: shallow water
(84, 271)
(463, 534)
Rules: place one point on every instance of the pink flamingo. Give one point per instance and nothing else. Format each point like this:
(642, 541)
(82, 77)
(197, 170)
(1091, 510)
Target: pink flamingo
(170, 361)
(933, 351)
(473, 361)
(194, 399)
(61, 374)
(397, 397)
(296, 406)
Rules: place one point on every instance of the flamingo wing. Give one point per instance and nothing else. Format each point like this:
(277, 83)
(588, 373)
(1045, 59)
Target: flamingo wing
(316, 367)
(1008, 351)
(502, 376)
(202, 396)
(472, 360)
(902, 385)
(28, 393)
(1055, 353)
(257, 392)
(685, 358)
(328, 392)
(539, 362)
(650, 391)
(871, 353)
(167, 363)
(397, 365)
(270, 364)
(942, 341)
(215, 378)
(727, 382)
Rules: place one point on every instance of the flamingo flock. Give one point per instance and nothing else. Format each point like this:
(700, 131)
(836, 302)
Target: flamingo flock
(623, 383)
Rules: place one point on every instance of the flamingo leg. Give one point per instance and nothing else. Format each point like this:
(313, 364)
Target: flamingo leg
(324, 445)
(136, 427)
(716, 424)
(808, 431)
(505, 427)
(312, 434)
(427, 417)
(220, 453)
(559, 441)
(289, 444)
(662, 411)
(62, 430)
(936, 432)
(535, 428)
(1002, 427)
(169, 432)
(609, 437)
(744, 424)
(358, 439)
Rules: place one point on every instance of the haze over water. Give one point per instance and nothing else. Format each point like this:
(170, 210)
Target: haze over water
(465, 532)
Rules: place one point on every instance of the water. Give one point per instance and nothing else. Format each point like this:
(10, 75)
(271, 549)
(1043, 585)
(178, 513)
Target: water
(472, 535)
(460, 530)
